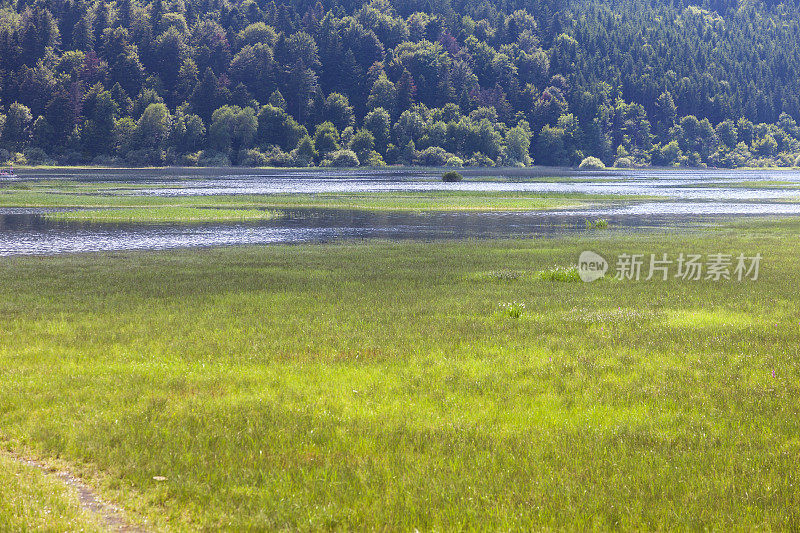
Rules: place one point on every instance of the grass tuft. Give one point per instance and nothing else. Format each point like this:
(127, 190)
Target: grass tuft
(560, 273)
(513, 309)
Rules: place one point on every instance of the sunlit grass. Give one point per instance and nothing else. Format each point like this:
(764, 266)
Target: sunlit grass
(699, 319)
(370, 386)
(30, 500)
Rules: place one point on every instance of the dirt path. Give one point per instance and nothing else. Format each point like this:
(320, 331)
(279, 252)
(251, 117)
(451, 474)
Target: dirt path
(109, 515)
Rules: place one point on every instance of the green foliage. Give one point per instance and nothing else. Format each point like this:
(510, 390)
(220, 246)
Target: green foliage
(551, 146)
(326, 139)
(276, 127)
(591, 163)
(339, 111)
(363, 143)
(432, 156)
(341, 158)
(232, 128)
(154, 125)
(276, 100)
(305, 153)
(16, 131)
(452, 176)
(518, 143)
(383, 94)
(498, 85)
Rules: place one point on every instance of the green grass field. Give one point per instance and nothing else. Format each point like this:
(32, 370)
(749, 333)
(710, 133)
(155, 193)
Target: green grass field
(389, 386)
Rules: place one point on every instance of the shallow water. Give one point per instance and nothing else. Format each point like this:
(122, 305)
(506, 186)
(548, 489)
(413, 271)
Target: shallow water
(679, 199)
(33, 235)
(678, 184)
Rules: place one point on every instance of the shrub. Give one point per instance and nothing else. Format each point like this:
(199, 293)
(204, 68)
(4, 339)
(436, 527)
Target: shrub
(191, 159)
(591, 163)
(210, 158)
(479, 160)
(37, 156)
(141, 158)
(105, 161)
(275, 157)
(451, 176)
(392, 154)
(252, 158)
(374, 159)
(785, 159)
(623, 162)
(433, 156)
(454, 162)
(341, 158)
(74, 157)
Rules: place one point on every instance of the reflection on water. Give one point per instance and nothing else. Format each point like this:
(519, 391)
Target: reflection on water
(684, 198)
(695, 184)
(32, 234)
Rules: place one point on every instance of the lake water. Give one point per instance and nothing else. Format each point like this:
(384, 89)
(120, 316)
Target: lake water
(678, 198)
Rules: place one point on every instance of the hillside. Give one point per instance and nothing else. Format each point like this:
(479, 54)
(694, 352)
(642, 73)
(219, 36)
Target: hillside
(407, 82)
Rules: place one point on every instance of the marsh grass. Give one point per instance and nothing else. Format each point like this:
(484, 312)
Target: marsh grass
(60, 193)
(378, 386)
(163, 214)
(600, 223)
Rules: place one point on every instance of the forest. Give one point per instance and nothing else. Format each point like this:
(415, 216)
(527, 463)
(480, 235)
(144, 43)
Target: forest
(447, 83)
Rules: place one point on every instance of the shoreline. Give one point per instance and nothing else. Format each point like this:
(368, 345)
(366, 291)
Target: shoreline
(400, 168)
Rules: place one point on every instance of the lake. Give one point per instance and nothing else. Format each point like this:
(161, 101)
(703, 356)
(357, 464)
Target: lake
(680, 199)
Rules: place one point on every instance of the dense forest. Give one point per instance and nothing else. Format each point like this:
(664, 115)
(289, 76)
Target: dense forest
(433, 82)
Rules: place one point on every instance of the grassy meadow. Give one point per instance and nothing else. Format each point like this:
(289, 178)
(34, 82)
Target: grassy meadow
(462, 385)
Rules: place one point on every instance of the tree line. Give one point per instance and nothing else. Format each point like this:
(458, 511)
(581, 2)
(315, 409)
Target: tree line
(435, 83)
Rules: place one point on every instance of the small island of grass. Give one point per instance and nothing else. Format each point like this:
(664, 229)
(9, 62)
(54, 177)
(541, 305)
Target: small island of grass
(163, 214)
